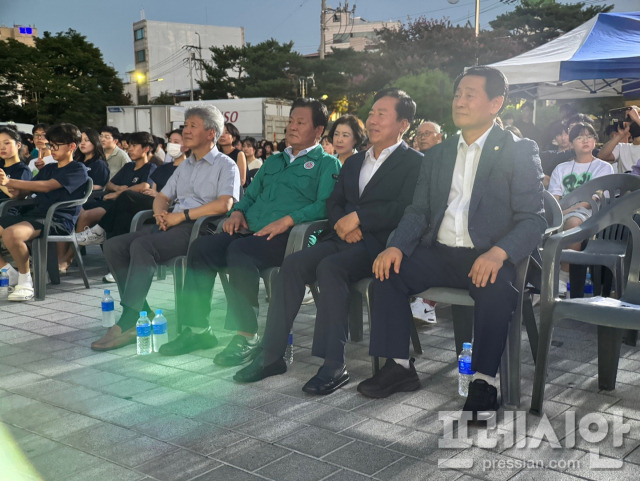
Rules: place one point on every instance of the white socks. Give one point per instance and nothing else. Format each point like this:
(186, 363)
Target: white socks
(25, 279)
(96, 229)
(252, 340)
(489, 379)
(199, 330)
(403, 362)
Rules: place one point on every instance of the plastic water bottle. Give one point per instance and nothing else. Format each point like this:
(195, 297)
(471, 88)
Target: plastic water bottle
(159, 328)
(588, 285)
(108, 314)
(288, 353)
(465, 374)
(143, 328)
(4, 283)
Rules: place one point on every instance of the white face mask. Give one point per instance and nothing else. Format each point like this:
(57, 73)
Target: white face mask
(174, 150)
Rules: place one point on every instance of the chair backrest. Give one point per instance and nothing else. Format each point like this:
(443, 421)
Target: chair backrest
(88, 188)
(552, 213)
(602, 192)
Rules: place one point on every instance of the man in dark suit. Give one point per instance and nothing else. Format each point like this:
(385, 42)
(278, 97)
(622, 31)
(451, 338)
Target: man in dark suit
(476, 212)
(372, 191)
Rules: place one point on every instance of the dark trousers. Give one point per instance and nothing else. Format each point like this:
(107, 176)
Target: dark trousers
(442, 266)
(117, 220)
(133, 259)
(244, 256)
(334, 264)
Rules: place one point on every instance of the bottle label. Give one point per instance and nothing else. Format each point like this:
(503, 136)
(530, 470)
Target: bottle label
(464, 367)
(144, 331)
(107, 306)
(4, 282)
(160, 328)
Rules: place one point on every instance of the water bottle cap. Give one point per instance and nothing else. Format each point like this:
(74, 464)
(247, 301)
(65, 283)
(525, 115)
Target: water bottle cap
(4, 269)
(107, 292)
(466, 345)
(159, 312)
(143, 313)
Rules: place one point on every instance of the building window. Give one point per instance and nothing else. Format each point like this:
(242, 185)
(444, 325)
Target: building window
(140, 56)
(138, 34)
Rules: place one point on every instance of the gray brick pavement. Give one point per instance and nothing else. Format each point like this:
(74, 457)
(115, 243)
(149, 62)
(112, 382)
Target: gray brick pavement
(68, 413)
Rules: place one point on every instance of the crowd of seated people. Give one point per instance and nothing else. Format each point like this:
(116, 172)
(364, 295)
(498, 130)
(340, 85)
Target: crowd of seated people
(456, 224)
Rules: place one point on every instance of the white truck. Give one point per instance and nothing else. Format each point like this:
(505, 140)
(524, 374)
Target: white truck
(261, 117)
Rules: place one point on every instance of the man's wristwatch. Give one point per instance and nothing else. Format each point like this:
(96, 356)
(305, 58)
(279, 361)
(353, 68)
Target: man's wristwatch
(186, 214)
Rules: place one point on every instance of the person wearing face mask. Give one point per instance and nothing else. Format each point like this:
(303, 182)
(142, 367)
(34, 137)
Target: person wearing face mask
(118, 218)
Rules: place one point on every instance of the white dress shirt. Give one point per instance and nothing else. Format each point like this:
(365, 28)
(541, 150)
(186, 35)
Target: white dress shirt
(371, 164)
(454, 230)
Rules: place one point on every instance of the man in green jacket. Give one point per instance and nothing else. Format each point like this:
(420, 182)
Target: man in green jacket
(291, 187)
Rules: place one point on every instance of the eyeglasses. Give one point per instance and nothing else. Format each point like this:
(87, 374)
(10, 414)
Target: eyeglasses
(55, 147)
(40, 136)
(428, 133)
(584, 138)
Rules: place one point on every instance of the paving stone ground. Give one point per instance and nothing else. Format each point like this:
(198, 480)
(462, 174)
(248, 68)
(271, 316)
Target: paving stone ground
(68, 413)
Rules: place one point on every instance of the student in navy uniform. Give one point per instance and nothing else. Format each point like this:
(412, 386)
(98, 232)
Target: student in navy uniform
(56, 182)
(10, 143)
(117, 220)
(135, 175)
(91, 154)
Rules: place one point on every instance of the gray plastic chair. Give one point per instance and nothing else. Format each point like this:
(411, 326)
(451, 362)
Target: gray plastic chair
(610, 319)
(178, 264)
(44, 251)
(609, 247)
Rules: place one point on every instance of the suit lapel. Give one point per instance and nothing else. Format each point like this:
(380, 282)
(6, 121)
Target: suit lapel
(445, 171)
(386, 166)
(491, 152)
(354, 184)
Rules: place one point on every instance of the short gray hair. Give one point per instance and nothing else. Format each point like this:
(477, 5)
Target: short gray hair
(435, 126)
(210, 115)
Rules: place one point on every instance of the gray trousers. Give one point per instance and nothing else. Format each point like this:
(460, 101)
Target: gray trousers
(133, 259)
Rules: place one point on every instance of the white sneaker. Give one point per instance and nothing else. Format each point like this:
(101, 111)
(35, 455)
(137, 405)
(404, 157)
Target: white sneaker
(90, 236)
(22, 292)
(423, 311)
(562, 284)
(109, 278)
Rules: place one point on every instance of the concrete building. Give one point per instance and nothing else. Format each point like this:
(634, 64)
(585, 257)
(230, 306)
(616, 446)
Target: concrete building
(343, 30)
(21, 33)
(168, 55)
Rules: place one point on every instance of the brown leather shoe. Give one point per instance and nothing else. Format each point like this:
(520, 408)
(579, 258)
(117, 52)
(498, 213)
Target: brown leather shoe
(115, 339)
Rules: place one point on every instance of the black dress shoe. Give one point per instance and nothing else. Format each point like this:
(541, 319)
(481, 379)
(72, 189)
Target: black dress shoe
(321, 385)
(237, 352)
(188, 342)
(256, 371)
(390, 379)
(482, 398)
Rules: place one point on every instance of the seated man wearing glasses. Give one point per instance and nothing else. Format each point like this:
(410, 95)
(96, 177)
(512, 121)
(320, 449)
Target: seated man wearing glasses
(56, 182)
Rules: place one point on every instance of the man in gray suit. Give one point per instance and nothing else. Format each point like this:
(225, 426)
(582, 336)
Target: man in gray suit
(477, 211)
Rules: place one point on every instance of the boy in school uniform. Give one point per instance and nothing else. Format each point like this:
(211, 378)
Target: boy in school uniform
(56, 182)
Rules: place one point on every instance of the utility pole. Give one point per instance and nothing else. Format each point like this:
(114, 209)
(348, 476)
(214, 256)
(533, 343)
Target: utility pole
(191, 55)
(322, 28)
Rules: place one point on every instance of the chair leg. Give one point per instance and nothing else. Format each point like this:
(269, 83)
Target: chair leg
(542, 359)
(83, 273)
(162, 273)
(356, 316)
(52, 263)
(510, 366)
(415, 338)
(39, 252)
(609, 342)
(178, 284)
(462, 325)
(529, 319)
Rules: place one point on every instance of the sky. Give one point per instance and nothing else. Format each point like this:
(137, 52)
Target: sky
(108, 23)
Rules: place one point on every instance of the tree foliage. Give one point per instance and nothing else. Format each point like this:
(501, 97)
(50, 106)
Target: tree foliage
(62, 79)
(267, 69)
(535, 22)
(165, 98)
